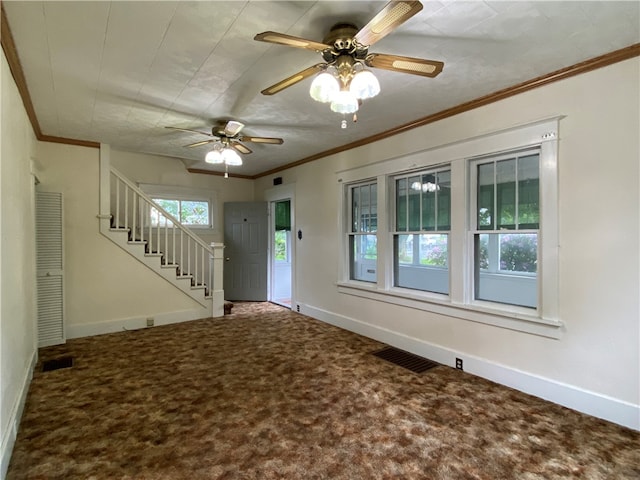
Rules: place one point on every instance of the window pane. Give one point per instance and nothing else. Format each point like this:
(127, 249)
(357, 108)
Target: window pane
(505, 268)
(404, 248)
(528, 192)
(401, 205)
(194, 213)
(280, 246)
(444, 200)
(364, 254)
(415, 189)
(373, 208)
(506, 194)
(428, 188)
(421, 261)
(363, 225)
(433, 250)
(171, 206)
(355, 208)
(485, 196)
(519, 252)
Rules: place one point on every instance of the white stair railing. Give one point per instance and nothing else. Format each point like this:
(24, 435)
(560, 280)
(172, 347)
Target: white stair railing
(147, 222)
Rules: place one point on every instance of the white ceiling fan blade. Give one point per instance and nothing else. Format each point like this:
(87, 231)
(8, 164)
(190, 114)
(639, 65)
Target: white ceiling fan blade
(233, 128)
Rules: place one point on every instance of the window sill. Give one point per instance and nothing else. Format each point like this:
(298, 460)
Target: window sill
(513, 318)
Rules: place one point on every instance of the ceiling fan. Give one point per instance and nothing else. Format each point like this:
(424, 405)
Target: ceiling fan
(226, 134)
(345, 51)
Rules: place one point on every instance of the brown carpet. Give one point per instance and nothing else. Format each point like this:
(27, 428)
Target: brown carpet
(266, 393)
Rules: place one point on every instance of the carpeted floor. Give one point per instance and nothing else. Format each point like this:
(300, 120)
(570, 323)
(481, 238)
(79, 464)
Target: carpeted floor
(265, 393)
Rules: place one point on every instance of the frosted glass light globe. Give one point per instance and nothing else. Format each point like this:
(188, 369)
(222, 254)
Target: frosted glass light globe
(364, 85)
(344, 102)
(213, 156)
(324, 87)
(230, 157)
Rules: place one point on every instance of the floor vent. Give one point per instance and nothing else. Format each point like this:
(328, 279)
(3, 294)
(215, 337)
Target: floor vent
(406, 360)
(57, 364)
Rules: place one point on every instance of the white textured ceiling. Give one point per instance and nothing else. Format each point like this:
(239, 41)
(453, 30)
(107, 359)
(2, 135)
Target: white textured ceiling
(119, 72)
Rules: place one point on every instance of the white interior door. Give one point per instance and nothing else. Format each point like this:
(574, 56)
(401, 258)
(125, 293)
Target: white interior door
(50, 268)
(246, 250)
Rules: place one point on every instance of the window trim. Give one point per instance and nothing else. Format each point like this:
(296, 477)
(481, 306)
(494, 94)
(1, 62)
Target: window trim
(544, 321)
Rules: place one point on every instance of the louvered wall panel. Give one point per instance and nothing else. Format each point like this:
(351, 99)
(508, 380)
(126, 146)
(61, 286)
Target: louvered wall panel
(50, 310)
(50, 266)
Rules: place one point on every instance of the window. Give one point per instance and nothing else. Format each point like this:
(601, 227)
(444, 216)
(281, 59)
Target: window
(466, 230)
(193, 207)
(422, 204)
(363, 253)
(506, 211)
(188, 212)
(282, 235)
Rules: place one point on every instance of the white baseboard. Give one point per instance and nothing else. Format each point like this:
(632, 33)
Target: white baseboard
(9, 436)
(135, 323)
(591, 403)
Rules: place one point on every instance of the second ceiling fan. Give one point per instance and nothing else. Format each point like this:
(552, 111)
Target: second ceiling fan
(343, 81)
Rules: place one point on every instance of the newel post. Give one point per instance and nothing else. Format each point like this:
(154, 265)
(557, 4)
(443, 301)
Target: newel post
(217, 279)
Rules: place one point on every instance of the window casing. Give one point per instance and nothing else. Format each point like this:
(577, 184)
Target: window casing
(517, 230)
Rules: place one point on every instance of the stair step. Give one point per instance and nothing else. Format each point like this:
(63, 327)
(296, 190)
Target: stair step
(169, 265)
(120, 229)
(153, 254)
(137, 242)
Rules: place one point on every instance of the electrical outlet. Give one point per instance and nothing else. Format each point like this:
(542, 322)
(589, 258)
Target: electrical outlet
(459, 363)
(298, 308)
(149, 321)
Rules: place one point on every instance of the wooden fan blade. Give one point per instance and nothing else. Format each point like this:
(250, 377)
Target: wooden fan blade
(197, 144)
(274, 141)
(290, 41)
(292, 80)
(191, 131)
(388, 19)
(396, 63)
(240, 147)
(232, 128)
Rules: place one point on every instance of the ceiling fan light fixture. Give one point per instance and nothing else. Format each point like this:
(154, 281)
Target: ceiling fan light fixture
(214, 156)
(364, 85)
(344, 102)
(324, 87)
(230, 157)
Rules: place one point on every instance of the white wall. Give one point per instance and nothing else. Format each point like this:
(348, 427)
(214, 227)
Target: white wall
(17, 281)
(595, 365)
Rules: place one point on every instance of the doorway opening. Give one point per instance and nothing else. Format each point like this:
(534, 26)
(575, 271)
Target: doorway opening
(281, 257)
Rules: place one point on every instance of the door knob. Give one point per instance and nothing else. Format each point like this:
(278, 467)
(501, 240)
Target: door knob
(227, 259)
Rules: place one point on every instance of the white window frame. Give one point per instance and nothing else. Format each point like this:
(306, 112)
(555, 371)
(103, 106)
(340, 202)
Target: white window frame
(351, 234)
(544, 320)
(175, 192)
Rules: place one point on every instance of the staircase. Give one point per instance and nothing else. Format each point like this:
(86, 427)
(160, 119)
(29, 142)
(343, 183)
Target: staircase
(158, 240)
